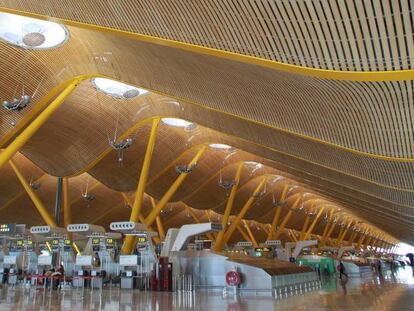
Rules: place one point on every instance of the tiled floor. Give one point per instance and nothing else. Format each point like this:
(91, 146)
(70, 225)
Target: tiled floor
(390, 292)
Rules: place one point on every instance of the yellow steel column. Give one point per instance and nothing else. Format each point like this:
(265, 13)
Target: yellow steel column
(219, 241)
(244, 234)
(243, 211)
(174, 187)
(361, 239)
(139, 195)
(37, 123)
(277, 214)
(67, 212)
(366, 244)
(33, 196)
(158, 221)
(329, 233)
(341, 238)
(304, 227)
(250, 233)
(312, 226)
(352, 238)
(325, 230)
(286, 219)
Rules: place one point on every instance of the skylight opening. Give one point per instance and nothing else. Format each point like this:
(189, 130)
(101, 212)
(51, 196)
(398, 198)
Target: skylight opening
(117, 89)
(220, 146)
(177, 122)
(31, 33)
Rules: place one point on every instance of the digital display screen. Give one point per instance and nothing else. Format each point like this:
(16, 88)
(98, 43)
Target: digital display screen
(29, 242)
(7, 228)
(67, 242)
(142, 239)
(55, 242)
(109, 241)
(96, 241)
(19, 242)
(261, 249)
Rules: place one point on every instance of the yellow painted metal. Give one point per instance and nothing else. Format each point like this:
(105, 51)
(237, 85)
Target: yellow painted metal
(35, 125)
(139, 195)
(328, 235)
(160, 227)
(243, 234)
(219, 241)
(250, 233)
(368, 241)
(174, 187)
(392, 75)
(341, 231)
(304, 227)
(352, 238)
(67, 211)
(312, 226)
(244, 210)
(275, 220)
(341, 238)
(293, 236)
(287, 218)
(33, 196)
(76, 248)
(361, 240)
(325, 231)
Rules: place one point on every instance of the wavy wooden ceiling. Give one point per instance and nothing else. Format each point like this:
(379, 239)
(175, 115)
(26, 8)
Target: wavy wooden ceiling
(350, 141)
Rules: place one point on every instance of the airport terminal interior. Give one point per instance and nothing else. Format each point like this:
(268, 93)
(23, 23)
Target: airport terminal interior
(206, 155)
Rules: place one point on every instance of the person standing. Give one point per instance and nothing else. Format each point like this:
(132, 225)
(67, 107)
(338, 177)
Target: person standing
(341, 269)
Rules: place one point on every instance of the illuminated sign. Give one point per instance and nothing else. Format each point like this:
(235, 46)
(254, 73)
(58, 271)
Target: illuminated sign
(67, 242)
(262, 249)
(19, 242)
(29, 242)
(142, 239)
(7, 228)
(109, 241)
(96, 241)
(55, 242)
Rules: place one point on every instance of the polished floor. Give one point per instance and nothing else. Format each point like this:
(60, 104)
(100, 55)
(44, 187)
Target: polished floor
(388, 292)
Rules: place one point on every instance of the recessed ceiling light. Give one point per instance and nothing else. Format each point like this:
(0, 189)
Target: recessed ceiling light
(220, 146)
(117, 89)
(31, 33)
(177, 122)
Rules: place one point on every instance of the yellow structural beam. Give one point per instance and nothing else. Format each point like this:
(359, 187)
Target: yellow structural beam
(171, 191)
(197, 220)
(287, 218)
(244, 234)
(352, 238)
(392, 75)
(304, 228)
(244, 210)
(139, 194)
(250, 233)
(229, 206)
(328, 235)
(67, 211)
(278, 211)
(158, 221)
(293, 236)
(35, 125)
(361, 240)
(315, 221)
(342, 237)
(33, 196)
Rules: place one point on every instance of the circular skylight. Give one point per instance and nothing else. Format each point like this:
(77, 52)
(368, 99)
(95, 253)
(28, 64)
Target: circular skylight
(31, 33)
(177, 122)
(117, 89)
(252, 163)
(220, 146)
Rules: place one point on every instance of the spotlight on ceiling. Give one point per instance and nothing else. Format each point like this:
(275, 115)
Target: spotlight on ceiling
(31, 33)
(117, 89)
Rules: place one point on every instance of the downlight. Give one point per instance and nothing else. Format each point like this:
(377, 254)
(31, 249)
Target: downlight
(31, 33)
(117, 89)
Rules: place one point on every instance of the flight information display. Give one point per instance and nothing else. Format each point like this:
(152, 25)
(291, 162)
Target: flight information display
(67, 245)
(7, 228)
(96, 241)
(55, 245)
(109, 243)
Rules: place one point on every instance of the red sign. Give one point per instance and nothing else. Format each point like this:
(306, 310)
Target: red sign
(233, 278)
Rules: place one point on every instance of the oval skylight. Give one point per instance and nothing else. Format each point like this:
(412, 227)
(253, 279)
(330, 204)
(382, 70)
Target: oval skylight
(31, 33)
(252, 163)
(220, 146)
(117, 89)
(177, 122)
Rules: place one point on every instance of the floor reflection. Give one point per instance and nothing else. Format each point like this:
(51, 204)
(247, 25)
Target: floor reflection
(389, 291)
